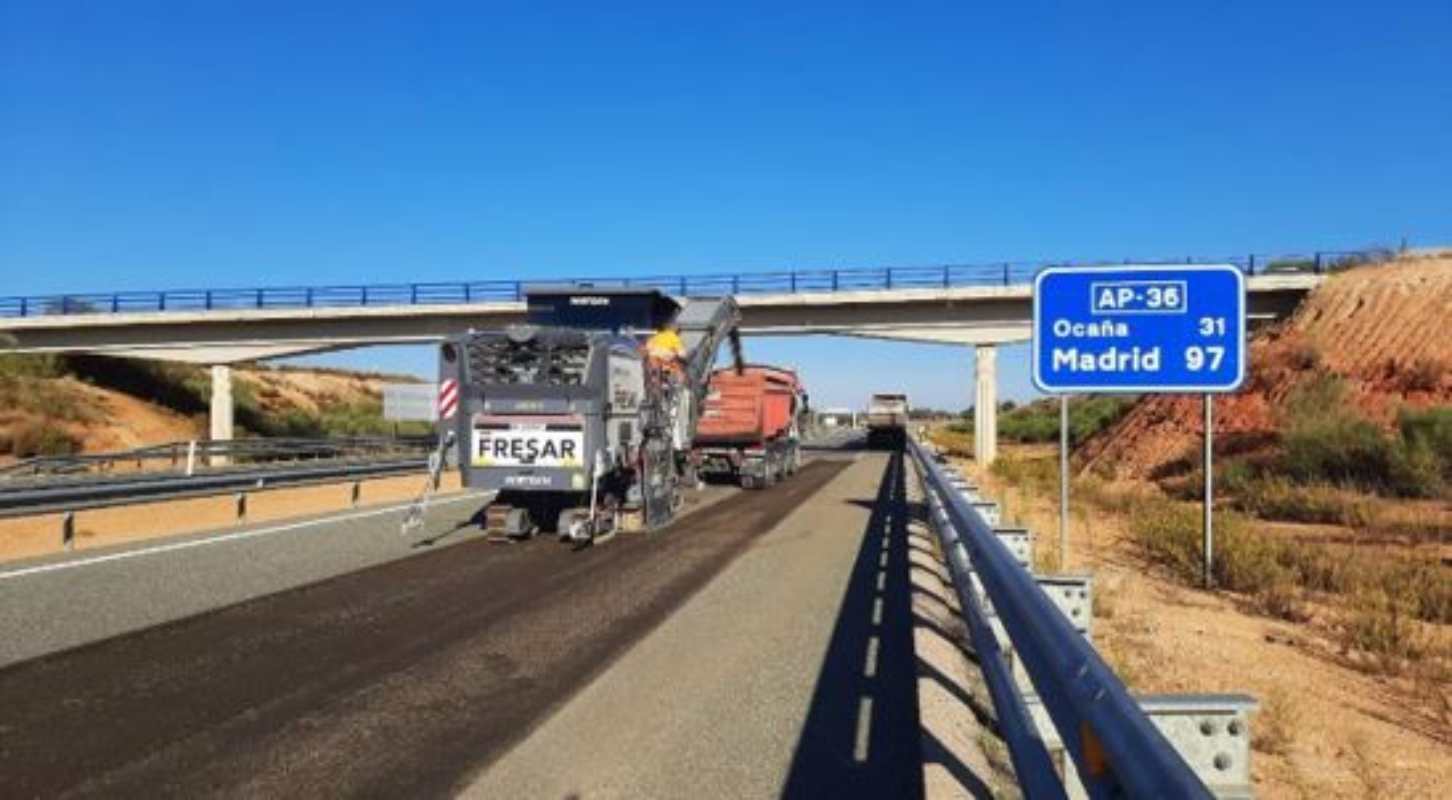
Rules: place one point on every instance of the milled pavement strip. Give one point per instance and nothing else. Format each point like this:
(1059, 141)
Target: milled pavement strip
(74, 599)
(713, 701)
(72, 602)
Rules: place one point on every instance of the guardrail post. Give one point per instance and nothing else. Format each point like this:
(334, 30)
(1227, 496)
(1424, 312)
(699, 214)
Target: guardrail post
(241, 502)
(683, 286)
(207, 300)
(945, 276)
(1250, 265)
(794, 281)
(518, 291)
(834, 280)
(1005, 273)
(308, 296)
(24, 306)
(364, 290)
(413, 294)
(889, 277)
(191, 457)
(116, 303)
(1316, 263)
(736, 284)
(68, 531)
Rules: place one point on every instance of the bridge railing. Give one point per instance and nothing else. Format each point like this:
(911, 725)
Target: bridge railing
(1051, 690)
(1006, 273)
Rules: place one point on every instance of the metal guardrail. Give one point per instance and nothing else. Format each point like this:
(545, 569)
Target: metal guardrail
(32, 498)
(1117, 750)
(201, 451)
(1003, 273)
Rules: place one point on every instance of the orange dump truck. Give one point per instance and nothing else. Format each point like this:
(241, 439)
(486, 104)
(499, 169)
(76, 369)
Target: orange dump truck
(748, 430)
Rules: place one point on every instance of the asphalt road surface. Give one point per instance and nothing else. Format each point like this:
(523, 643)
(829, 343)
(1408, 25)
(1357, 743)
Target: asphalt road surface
(67, 600)
(404, 678)
(791, 675)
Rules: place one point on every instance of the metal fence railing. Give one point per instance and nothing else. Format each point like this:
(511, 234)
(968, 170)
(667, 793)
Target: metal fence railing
(199, 453)
(779, 282)
(1117, 750)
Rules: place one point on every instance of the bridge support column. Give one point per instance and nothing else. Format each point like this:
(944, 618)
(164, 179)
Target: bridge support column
(985, 404)
(221, 411)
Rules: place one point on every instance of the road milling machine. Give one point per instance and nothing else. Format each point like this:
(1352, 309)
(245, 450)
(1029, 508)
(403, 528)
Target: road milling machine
(570, 421)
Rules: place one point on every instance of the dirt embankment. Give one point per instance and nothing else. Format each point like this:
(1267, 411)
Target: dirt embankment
(93, 405)
(1380, 328)
(280, 390)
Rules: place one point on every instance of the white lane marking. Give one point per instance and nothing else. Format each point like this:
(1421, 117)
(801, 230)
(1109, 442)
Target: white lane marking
(864, 727)
(882, 559)
(881, 580)
(877, 611)
(228, 537)
(870, 668)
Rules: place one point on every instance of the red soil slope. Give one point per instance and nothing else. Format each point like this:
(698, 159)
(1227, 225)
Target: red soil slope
(1385, 329)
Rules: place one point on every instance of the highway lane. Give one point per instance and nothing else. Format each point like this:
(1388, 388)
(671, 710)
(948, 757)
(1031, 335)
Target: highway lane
(791, 674)
(63, 601)
(401, 679)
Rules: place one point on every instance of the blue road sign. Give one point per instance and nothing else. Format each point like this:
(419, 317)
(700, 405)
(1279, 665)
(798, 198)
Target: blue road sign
(1139, 329)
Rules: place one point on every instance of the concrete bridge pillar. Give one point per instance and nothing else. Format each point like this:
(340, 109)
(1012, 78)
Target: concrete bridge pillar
(221, 411)
(985, 404)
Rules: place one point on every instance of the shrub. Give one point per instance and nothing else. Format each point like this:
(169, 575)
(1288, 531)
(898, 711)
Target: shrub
(955, 440)
(24, 365)
(1324, 393)
(1429, 430)
(1304, 356)
(1038, 475)
(1347, 450)
(1278, 498)
(1172, 533)
(1039, 420)
(1379, 625)
(1424, 375)
(41, 438)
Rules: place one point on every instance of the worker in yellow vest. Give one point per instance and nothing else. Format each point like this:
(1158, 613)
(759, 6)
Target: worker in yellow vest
(665, 346)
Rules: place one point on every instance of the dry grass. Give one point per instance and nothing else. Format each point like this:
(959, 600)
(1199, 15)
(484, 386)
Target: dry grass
(1379, 625)
(1364, 766)
(1385, 601)
(1276, 723)
(1105, 600)
(952, 441)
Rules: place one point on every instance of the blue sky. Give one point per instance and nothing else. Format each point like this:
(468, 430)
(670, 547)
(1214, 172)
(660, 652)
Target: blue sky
(148, 145)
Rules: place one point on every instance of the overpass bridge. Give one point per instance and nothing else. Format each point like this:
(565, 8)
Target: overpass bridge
(979, 306)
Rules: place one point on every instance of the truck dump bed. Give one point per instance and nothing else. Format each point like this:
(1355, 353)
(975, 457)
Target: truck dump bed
(754, 406)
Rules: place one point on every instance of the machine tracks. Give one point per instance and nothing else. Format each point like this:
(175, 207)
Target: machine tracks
(398, 680)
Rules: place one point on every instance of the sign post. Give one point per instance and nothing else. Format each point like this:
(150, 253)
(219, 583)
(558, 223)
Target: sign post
(1136, 329)
(1209, 484)
(1063, 483)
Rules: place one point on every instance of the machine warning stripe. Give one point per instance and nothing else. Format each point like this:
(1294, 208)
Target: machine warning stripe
(448, 398)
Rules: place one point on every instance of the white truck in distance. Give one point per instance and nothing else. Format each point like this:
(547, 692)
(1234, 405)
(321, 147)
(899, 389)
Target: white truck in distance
(887, 418)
